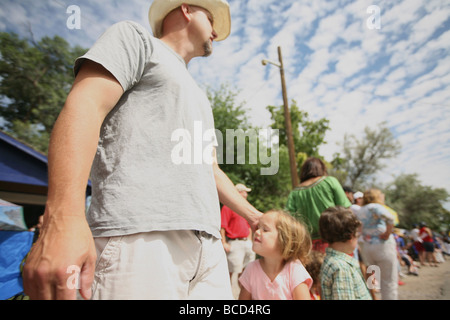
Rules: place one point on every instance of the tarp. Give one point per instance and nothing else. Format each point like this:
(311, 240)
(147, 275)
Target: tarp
(14, 246)
(11, 217)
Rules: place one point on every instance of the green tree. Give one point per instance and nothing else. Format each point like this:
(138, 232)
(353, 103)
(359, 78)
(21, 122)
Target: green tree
(308, 135)
(268, 191)
(35, 78)
(415, 202)
(362, 158)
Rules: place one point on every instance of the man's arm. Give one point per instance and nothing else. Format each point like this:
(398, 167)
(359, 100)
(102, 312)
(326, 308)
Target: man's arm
(66, 240)
(229, 196)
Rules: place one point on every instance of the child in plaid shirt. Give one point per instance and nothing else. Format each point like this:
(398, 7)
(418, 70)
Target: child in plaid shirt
(340, 274)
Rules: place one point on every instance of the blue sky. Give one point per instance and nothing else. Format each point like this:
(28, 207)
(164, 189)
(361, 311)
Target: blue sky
(336, 66)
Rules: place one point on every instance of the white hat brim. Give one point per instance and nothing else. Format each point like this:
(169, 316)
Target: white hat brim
(219, 9)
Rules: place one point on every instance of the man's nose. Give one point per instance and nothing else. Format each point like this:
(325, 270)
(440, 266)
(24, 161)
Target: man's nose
(214, 34)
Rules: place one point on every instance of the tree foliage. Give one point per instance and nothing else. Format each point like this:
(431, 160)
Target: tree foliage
(35, 78)
(308, 135)
(268, 191)
(415, 202)
(362, 158)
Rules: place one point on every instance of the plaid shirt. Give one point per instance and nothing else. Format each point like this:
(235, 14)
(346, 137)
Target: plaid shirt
(341, 278)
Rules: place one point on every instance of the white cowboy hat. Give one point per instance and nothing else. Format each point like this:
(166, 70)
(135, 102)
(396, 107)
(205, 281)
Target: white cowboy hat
(219, 9)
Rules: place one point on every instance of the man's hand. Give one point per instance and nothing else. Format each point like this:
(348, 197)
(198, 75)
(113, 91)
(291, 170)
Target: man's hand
(65, 246)
(227, 247)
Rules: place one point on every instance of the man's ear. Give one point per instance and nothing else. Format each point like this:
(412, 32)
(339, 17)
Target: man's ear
(186, 11)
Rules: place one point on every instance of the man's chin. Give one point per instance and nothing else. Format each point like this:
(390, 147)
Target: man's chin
(208, 49)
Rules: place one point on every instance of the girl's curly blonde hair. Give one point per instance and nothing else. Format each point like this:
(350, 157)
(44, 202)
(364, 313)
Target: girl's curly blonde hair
(293, 236)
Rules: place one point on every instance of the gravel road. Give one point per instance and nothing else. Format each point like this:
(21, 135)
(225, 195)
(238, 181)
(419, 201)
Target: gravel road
(433, 283)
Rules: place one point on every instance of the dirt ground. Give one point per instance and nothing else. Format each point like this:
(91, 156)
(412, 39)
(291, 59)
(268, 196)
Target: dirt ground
(433, 283)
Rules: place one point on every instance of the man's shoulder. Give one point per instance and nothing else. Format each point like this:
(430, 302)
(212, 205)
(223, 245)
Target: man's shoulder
(126, 27)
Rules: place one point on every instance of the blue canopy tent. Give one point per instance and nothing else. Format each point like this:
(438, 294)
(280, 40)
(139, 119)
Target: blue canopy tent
(23, 181)
(11, 217)
(15, 243)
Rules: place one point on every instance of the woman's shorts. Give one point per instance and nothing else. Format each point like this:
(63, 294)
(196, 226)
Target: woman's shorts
(429, 246)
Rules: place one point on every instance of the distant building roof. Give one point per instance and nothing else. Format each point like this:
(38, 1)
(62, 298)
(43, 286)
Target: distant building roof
(20, 163)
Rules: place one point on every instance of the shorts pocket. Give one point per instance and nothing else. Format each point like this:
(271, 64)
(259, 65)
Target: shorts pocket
(106, 259)
(109, 252)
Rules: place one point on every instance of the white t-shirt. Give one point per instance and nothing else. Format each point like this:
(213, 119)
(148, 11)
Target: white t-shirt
(138, 182)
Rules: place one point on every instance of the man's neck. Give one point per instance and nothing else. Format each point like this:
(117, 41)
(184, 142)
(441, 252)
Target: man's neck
(180, 46)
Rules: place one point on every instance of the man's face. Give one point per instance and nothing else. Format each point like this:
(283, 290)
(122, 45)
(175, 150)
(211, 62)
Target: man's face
(203, 23)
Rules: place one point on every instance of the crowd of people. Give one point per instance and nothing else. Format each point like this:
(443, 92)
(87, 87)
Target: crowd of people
(342, 245)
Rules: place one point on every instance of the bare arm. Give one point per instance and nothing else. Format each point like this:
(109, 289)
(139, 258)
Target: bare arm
(301, 292)
(65, 240)
(76, 132)
(244, 294)
(387, 233)
(229, 196)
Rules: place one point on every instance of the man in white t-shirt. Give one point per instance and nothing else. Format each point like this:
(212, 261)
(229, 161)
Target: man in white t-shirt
(155, 219)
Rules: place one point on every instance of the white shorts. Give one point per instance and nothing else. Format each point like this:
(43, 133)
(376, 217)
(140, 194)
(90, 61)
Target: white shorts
(240, 255)
(168, 265)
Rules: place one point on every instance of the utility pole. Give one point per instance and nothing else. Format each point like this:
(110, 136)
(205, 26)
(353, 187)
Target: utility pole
(287, 120)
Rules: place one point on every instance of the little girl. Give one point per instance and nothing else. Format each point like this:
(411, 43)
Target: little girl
(283, 243)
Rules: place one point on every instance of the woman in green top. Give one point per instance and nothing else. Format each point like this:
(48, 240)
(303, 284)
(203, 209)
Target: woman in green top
(316, 193)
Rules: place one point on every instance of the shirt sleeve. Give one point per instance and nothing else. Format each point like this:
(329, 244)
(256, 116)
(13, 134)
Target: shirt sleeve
(245, 280)
(385, 214)
(290, 205)
(299, 275)
(122, 50)
(340, 198)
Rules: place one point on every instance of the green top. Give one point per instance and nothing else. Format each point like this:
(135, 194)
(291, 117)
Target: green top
(307, 203)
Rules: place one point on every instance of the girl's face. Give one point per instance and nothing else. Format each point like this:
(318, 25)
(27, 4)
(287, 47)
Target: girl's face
(265, 242)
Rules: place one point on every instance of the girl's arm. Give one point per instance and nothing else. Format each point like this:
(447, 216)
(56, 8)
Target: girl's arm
(245, 295)
(301, 292)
